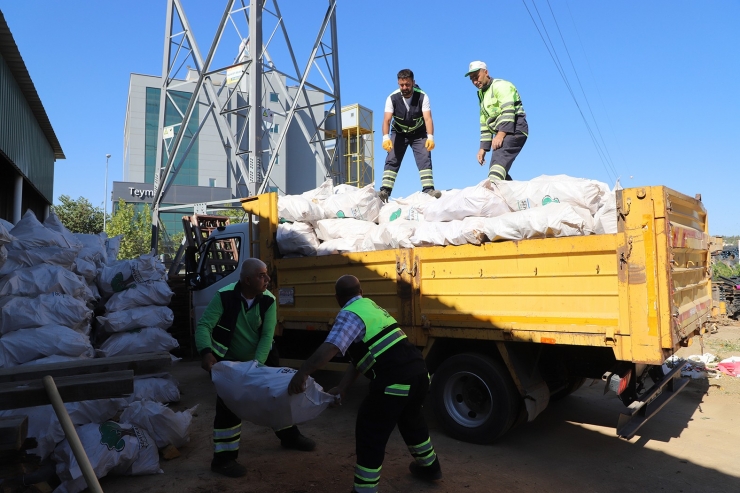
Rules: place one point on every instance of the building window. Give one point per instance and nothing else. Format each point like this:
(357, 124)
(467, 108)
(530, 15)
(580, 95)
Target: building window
(212, 182)
(275, 128)
(274, 97)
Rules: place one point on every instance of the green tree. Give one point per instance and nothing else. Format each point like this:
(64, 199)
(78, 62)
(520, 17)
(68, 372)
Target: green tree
(79, 216)
(136, 228)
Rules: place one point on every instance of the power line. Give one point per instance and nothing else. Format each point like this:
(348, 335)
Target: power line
(606, 149)
(553, 55)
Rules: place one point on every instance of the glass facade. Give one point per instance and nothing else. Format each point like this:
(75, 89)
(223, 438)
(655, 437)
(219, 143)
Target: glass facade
(188, 174)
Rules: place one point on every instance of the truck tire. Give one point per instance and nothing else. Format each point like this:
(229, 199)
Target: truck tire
(474, 398)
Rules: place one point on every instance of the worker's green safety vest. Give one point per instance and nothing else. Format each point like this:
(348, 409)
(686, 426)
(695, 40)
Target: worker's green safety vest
(499, 103)
(381, 334)
(411, 119)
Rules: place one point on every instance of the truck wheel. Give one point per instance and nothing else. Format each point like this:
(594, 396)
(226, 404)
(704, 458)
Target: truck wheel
(474, 398)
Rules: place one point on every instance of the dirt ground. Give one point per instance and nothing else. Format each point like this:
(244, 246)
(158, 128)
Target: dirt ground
(692, 445)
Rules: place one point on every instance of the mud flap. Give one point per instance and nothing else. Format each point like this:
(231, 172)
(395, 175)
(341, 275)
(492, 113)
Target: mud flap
(650, 403)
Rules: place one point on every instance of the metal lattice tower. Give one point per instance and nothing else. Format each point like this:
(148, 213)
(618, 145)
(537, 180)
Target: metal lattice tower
(225, 86)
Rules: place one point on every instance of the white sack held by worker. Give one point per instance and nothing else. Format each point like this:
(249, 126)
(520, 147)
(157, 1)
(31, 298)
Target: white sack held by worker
(259, 394)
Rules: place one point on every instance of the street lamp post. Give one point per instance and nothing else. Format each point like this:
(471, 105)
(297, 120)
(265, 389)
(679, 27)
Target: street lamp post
(105, 199)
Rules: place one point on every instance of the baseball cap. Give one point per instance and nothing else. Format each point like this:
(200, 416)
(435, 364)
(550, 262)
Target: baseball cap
(474, 67)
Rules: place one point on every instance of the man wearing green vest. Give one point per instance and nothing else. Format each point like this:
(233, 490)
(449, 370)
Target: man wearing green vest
(399, 384)
(409, 113)
(503, 122)
(238, 325)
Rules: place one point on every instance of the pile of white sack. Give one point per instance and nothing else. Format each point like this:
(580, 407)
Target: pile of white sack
(50, 282)
(340, 219)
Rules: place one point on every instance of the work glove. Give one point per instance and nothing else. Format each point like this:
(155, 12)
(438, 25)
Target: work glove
(387, 144)
(430, 142)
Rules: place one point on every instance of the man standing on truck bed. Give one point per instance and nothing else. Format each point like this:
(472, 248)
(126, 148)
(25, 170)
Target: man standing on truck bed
(503, 122)
(238, 325)
(412, 124)
(399, 383)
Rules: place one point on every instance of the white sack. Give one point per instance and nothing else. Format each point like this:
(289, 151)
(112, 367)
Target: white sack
(44, 278)
(164, 425)
(48, 360)
(3, 256)
(563, 189)
(137, 318)
(118, 275)
(331, 229)
(5, 236)
(110, 447)
(554, 220)
(148, 340)
(259, 394)
(344, 188)
(297, 238)
(54, 255)
(406, 208)
(140, 294)
(30, 233)
(605, 219)
(112, 246)
(43, 425)
(158, 389)
(395, 234)
(88, 270)
(340, 245)
(469, 230)
(298, 208)
(362, 203)
(93, 249)
(320, 193)
(481, 200)
(26, 345)
(19, 312)
(55, 224)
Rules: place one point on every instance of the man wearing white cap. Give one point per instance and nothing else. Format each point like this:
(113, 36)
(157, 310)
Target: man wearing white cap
(503, 122)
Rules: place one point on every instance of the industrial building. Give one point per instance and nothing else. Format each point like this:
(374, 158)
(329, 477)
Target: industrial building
(208, 173)
(28, 145)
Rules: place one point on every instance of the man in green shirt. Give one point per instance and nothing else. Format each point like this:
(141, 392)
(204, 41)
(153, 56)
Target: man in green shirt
(238, 325)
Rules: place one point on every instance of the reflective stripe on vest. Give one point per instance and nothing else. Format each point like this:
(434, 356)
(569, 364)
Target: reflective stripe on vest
(406, 122)
(381, 331)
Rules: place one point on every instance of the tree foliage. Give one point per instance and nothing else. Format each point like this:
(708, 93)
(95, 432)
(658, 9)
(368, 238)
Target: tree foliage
(136, 228)
(79, 216)
(722, 269)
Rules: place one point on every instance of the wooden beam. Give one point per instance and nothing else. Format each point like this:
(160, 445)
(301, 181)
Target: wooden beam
(14, 395)
(141, 364)
(13, 432)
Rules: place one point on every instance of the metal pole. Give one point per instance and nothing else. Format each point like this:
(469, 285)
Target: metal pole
(339, 143)
(105, 197)
(18, 199)
(255, 93)
(69, 431)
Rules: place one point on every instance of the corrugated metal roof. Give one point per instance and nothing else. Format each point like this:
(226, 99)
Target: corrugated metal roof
(9, 51)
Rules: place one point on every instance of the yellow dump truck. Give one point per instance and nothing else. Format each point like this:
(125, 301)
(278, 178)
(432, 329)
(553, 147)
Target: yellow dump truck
(505, 327)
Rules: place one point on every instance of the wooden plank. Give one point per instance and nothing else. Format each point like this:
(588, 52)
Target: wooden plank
(13, 432)
(141, 364)
(14, 395)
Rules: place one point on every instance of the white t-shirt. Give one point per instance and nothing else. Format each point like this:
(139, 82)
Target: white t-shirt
(425, 106)
(250, 301)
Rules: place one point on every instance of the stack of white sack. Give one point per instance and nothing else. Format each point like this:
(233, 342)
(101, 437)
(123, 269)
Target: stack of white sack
(98, 250)
(44, 304)
(507, 210)
(5, 238)
(137, 316)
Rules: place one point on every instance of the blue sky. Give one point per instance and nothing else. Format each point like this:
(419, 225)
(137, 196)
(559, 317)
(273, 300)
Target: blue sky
(660, 78)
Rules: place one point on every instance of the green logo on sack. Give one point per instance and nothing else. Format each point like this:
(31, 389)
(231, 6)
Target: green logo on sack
(111, 435)
(395, 215)
(341, 214)
(547, 199)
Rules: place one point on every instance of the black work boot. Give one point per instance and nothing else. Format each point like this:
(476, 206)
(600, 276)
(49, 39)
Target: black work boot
(434, 193)
(427, 473)
(229, 468)
(292, 438)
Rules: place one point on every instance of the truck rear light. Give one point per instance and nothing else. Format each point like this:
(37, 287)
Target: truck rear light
(617, 381)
